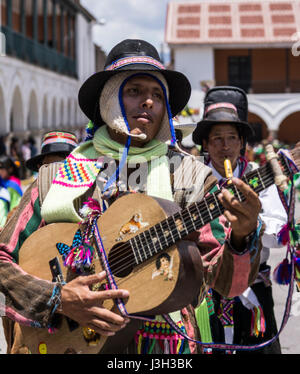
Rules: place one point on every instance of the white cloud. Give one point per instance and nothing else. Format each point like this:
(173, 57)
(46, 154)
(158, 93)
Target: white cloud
(142, 19)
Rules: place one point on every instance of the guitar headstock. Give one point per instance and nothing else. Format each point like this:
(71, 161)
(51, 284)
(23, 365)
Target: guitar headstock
(295, 153)
(289, 160)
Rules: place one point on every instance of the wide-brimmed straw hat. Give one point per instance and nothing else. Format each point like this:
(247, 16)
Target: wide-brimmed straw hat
(53, 142)
(186, 129)
(137, 56)
(224, 105)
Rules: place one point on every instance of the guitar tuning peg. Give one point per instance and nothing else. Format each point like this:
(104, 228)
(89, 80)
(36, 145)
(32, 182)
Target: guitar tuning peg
(295, 153)
(279, 178)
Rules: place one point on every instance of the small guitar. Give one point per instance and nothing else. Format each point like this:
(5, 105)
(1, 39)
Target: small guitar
(144, 242)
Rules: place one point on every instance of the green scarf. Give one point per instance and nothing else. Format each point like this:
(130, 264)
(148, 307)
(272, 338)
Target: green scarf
(80, 169)
(108, 147)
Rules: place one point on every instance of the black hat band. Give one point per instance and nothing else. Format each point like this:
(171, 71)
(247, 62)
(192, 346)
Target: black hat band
(57, 147)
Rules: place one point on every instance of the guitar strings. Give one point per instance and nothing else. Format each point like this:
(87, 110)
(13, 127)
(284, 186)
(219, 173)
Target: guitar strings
(143, 243)
(185, 214)
(268, 181)
(154, 246)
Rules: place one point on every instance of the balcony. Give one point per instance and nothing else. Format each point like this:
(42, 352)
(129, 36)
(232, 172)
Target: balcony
(264, 87)
(275, 86)
(28, 50)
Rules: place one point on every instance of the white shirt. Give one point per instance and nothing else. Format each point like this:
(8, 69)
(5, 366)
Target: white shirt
(272, 214)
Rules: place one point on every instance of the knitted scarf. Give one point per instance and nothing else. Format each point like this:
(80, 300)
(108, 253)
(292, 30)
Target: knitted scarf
(81, 168)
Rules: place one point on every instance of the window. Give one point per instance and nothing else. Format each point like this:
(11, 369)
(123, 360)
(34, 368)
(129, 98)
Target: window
(239, 71)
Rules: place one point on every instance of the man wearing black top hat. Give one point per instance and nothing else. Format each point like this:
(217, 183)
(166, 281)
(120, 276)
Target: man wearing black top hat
(130, 105)
(223, 134)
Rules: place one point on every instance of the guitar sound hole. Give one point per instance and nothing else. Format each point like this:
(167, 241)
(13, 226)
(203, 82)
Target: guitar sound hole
(121, 260)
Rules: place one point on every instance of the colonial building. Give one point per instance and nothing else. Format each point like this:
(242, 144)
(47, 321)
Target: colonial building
(49, 52)
(254, 45)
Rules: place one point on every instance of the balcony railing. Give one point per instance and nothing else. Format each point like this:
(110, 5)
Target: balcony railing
(28, 50)
(265, 86)
(278, 86)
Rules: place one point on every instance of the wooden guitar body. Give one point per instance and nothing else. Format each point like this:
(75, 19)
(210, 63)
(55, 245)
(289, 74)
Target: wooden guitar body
(160, 283)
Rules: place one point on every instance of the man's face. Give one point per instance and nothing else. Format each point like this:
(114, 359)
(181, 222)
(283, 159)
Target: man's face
(223, 142)
(49, 159)
(144, 104)
(4, 174)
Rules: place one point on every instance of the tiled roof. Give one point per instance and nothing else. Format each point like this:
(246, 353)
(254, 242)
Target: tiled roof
(232, 22)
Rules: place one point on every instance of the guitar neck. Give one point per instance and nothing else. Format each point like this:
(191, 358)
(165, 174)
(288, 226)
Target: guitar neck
(167, 232)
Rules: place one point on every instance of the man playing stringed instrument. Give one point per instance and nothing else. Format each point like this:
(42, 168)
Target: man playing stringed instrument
(223, 134)
(131, 105)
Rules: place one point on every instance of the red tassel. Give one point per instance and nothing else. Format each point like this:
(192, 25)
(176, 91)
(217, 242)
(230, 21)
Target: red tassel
(93, 204)
(284, 235)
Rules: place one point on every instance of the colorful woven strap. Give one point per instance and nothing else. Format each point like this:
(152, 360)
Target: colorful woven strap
(168, 319)
(110, 278)
(225, 313)
(235, 347)
(174, 326)
(290, 210)
(158, 332)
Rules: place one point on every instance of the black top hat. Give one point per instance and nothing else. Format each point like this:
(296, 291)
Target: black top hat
(224, 104)
(54, 142)
(132, 55)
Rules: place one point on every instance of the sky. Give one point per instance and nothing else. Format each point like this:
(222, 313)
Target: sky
(141, 19)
